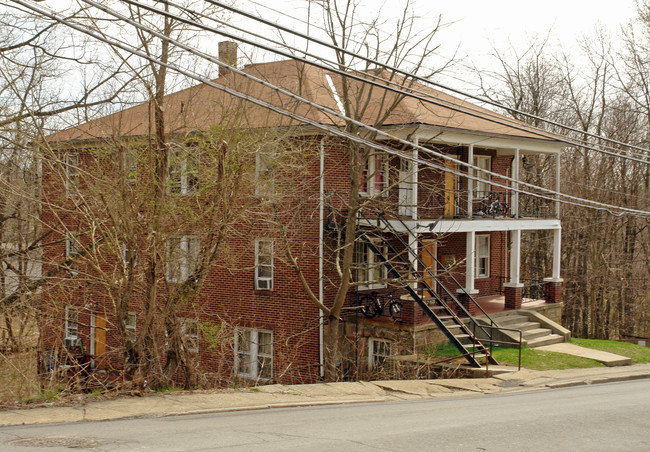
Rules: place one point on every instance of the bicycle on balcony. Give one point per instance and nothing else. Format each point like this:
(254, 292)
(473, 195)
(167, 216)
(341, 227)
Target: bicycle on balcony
(374, 304)
(493, 206)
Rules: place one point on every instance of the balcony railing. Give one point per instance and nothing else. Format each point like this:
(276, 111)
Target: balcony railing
(485, 204)
(451, 204)
(534, 289)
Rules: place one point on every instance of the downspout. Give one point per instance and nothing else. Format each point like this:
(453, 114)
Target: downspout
(321, 256)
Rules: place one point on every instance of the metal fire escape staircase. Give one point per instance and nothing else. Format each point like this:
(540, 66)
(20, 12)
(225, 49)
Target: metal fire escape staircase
(443, 310)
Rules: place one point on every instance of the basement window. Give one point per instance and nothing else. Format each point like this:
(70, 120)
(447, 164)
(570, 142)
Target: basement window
(378, 353)
(254, 353)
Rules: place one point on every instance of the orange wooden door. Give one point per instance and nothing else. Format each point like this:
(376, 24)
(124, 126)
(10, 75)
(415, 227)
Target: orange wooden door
(100, 339)
(429, 250)
(451, 186)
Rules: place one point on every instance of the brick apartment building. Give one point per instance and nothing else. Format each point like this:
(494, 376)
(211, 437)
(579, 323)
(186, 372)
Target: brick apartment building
(446, 237)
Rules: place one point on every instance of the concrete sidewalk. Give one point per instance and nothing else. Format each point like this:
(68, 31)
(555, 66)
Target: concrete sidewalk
(277, 396)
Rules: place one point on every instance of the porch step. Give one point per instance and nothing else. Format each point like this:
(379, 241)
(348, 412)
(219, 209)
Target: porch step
(527, 326)
(545, 340)
(536, 333)
(507, 320)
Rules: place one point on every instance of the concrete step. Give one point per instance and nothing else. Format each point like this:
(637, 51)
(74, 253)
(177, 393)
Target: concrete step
(526, 326)
(508, 320)
(536, 333)
(523, 327)
(545, 340)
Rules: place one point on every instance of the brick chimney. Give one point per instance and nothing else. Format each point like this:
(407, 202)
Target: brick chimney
(227, 54)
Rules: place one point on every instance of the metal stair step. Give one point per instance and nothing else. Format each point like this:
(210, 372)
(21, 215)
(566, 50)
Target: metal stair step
(535, 333)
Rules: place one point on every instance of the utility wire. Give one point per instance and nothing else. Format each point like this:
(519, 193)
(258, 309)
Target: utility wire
(331, 129)
(422, 79)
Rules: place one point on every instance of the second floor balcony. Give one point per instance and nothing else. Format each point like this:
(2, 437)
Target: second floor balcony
(484, 204)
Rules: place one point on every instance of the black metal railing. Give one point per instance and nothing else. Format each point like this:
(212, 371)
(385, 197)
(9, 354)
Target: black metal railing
(533, 288)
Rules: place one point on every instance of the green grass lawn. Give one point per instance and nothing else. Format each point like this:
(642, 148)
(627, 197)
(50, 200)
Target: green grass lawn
(530, 358)
(539, 360)
(638, 353)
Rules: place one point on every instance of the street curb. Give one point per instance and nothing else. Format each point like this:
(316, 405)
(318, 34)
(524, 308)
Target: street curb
(266, 407)
(597, 380)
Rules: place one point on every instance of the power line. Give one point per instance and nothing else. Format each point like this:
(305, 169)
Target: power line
(331, 130)
(442, 86)
(386, 84)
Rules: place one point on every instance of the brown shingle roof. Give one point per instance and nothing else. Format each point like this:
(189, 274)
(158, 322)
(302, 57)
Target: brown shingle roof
(200, 107)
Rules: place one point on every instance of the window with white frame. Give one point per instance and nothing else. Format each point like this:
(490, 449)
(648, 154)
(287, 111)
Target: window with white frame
(378, 352)
(182, 256)
(254, 353)
(72, 252)
(482, 187)
(128, 255)
(482, 267)
(190, 334)
(71, 174)
(130, 326)
(131, 164)
(71, 325)
(374, 177)
(183, 170)
(264, 172)
(371, 271)
(264, 264)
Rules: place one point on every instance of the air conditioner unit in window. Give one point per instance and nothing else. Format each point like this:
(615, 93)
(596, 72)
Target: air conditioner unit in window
(264, 284)
(68, 343)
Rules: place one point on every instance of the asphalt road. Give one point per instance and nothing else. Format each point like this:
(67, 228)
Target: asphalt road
(613, 416)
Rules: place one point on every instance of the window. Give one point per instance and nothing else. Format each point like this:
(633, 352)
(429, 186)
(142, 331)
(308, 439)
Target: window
(183, 170)
(374, 177)
(254, 353)
(190, 333)
(182, 256)
(72, 252)
(482, 187)
(128, 255)
(482, 267)
(263, 264)
(71, 174)
(130, 325)
(264, 173)
(371, 272)
(71, 326)
(131, 164)
(378, 352)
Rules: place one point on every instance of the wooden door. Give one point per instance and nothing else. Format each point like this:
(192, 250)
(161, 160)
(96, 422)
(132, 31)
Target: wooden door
(99, 339)
(451, 186)
(429, 250)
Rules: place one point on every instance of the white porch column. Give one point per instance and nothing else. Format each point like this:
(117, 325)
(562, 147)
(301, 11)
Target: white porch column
(557, 244)
(414, 180)
(513, 289)
(557, 185)
(515, 258)
(470, 182)
(515, 185)
(470, 258)
(413, 245)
